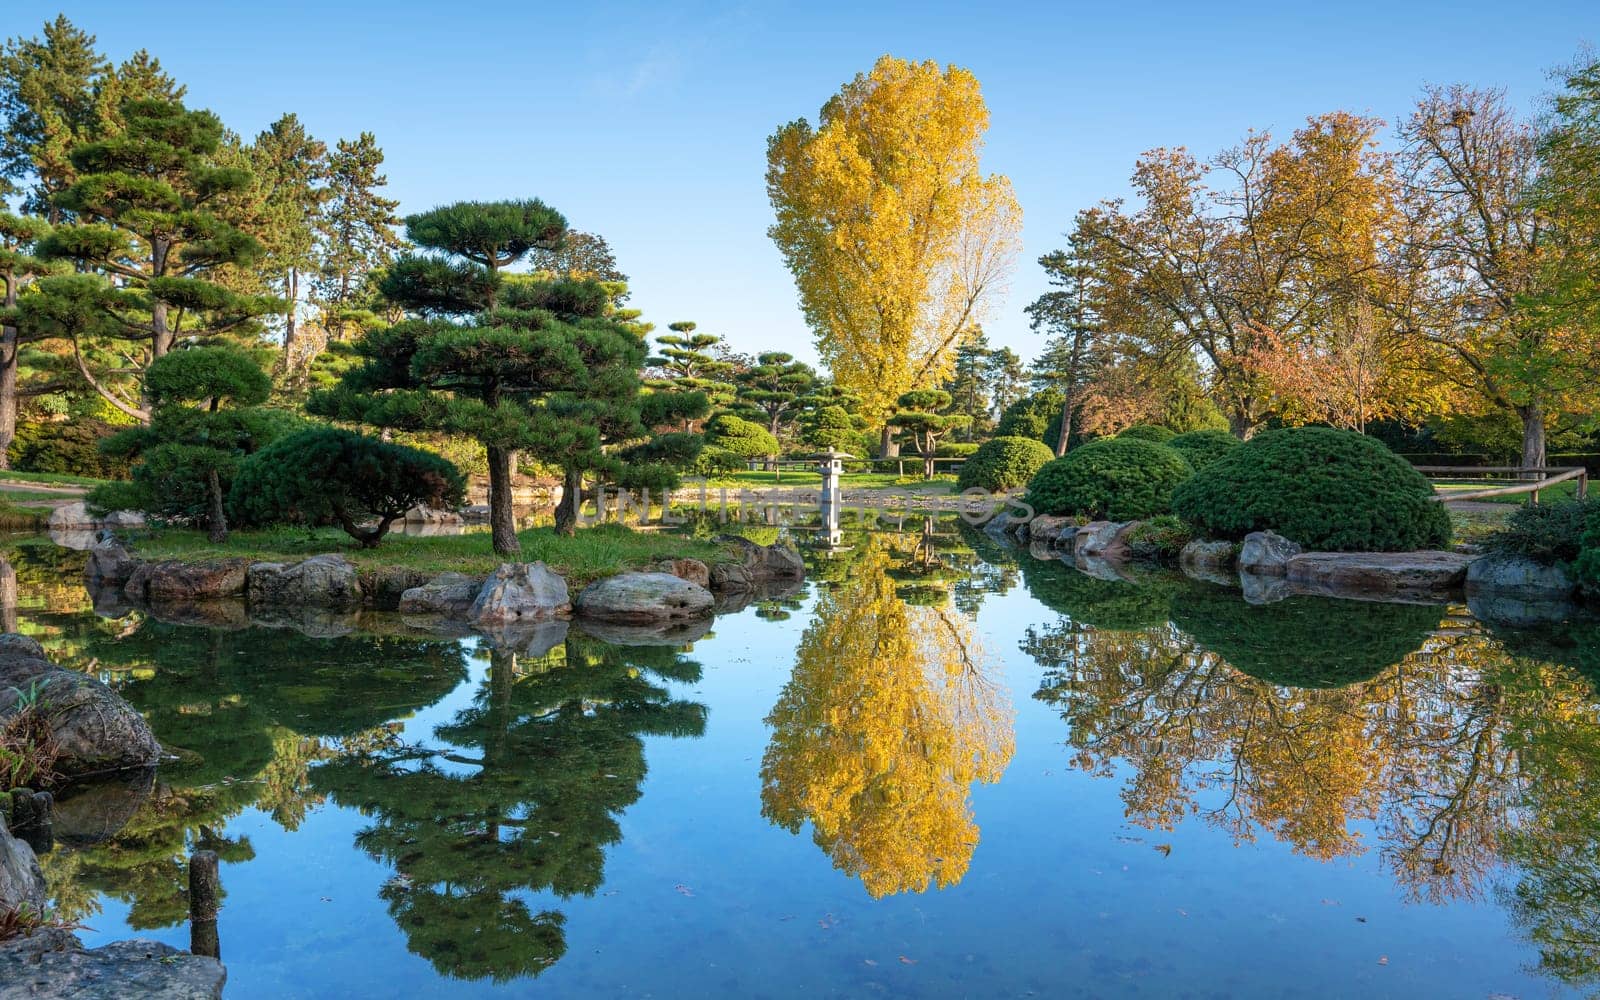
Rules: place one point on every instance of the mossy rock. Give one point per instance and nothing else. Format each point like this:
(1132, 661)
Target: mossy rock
(1304, 642)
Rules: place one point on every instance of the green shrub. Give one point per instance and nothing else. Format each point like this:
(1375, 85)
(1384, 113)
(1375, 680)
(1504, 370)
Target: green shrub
(714, 461)
(1003, 463)
(1587, 566)
(1548, 533)
(1202, 448)
(956, 449)
(71, 447)
(1148, 432)
(1330, 490)
(1304, 642)
(328, 474)
(1115, 478)
(1029, 416)
(735, 434)
(1159, 539)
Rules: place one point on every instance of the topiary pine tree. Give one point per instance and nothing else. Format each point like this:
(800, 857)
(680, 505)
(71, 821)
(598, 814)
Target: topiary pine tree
(918, 416)
(773, 391)
(686, 364)
(146, 211)
(18, 236)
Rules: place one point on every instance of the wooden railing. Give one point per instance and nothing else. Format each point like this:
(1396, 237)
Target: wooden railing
(1548, 476)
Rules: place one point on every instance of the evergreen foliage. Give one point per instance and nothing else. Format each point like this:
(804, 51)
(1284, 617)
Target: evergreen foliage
(1004, 463)
(1117, 479)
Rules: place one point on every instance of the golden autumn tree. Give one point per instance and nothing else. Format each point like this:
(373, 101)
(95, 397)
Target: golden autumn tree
(877, 738)
(897, 241)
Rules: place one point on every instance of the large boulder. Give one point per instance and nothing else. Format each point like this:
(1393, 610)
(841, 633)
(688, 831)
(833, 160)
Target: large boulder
(757, 565)
(178, 581)
(53, 963)
(382, 587)
(1429, 574)
(445, 594)
(1267, 553)
(110, 562)
(94, 730)
(1519, 578)
(1050, 529)
(693, 570)
(72, 517)
(422, 514)
(1202, 554)
(21, 879)
(124, 520)
(1102, 540)
(642, 598)
(325, 581)
(520, 592)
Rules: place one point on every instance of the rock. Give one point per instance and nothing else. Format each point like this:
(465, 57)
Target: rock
(423, 514)
(1520, 578)
(758, 564)
(211, 580)
(124, 520)
(95, 731)
(110, 562)
(1405, 574)
(1267, 553)
(693, 570)
(999, 525)
(21, 878)
(382, 587)
(53, 963)
(445, 594)
(325, 581)
(1102, 540)
(478, 513)
(1263, 588)
(72, 517)
(643, 598)
(1202, 554)
(1047, 528)
(520, 592)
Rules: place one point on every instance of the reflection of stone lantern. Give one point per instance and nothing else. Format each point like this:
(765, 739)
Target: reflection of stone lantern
(831, 464)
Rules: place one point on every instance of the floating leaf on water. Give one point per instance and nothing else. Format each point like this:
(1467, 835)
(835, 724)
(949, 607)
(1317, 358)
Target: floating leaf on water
(1165, 849)
(907, 961)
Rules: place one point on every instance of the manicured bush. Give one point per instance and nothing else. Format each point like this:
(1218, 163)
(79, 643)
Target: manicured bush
(1303, 642)
(1149, 432)
(740, 436)
(360, 483)
(1549, 533)
(1330, 490)
(1202, 448)
(68, 446)
(1003, 463)
(1160, 538)
(1116, 478)
(956, 449)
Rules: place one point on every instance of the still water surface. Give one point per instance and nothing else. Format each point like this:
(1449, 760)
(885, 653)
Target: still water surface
(942, 768)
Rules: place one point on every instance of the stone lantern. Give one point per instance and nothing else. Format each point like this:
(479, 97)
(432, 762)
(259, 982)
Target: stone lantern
(831, 464)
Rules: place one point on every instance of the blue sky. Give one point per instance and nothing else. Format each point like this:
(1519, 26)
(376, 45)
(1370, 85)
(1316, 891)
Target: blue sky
(648, 122)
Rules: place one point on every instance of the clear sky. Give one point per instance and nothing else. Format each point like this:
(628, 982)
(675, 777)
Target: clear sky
(647, 122)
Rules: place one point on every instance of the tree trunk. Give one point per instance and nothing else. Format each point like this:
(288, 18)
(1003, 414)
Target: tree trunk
(1240, 425)
(8, 379)
(927, 465)
(292, 287)
(1065, 435)
(502, 519)
(1533, 449)
(216, 518)
(571, 503)
(888, 447)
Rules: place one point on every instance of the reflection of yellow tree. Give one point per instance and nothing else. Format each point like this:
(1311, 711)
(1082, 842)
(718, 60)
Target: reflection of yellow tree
(880, 732)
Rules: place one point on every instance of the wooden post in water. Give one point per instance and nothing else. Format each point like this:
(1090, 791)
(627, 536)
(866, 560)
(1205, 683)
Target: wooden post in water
(205, 895)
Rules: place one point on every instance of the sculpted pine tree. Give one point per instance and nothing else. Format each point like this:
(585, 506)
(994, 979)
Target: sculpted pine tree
(922, 418)
(896, 240)
(18, 236)
(686, 364)
(144, 214)
(774, 392)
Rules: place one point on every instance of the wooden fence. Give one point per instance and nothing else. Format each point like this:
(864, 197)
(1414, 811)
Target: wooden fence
(1521, 479)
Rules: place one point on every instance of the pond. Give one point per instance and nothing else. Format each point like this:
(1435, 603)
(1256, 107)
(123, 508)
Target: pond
(943, 768)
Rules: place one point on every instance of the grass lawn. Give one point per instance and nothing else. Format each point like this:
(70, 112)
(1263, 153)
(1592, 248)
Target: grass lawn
(593, 552)
(942, 483)
(48, 478)
(1560, 491)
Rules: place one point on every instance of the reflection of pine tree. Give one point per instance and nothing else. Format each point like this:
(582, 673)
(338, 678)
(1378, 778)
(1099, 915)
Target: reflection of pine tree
(542, 765)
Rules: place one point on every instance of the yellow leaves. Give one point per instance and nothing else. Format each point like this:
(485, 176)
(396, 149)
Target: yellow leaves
(877, 737)
(897, 242)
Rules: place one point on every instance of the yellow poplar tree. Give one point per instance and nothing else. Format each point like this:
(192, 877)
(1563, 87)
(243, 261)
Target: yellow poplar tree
(897, 241)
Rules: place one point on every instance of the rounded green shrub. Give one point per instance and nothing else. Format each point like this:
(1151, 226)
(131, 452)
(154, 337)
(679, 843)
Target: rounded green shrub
(1202, 448)
(743, 437)
(1330, 490)
(1003, 463)
(1148, 432)
(1118, 479)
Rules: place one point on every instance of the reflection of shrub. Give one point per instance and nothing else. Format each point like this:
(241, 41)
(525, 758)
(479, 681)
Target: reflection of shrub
(1119, 605)
(71, 447)
(1202, 448)
(1148, 432)
(1329, 490)
(1159, 538)
(1549, 533)
(1574, 645)
(1116, 478)
(1003, 463)
(1305, 642)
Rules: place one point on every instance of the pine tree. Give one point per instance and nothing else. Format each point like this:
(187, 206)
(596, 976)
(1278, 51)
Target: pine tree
(773, 391)
(685, 364)
(47, 107)
(18, 265)
(967, 385)
(355, 234)
(144, 214)
(290, 169)
(920, 415)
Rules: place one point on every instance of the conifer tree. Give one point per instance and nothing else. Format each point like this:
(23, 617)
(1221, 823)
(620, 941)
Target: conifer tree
(919, 416)
(355, 233)
(774, 390)
(18, 235)
(47, 107)
(687, 365)
(290, 169)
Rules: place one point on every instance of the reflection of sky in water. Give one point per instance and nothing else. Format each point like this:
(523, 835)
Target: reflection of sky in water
(702, 896)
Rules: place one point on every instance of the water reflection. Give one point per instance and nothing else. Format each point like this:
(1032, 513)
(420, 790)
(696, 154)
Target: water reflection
(522, 797)
(885, 723)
